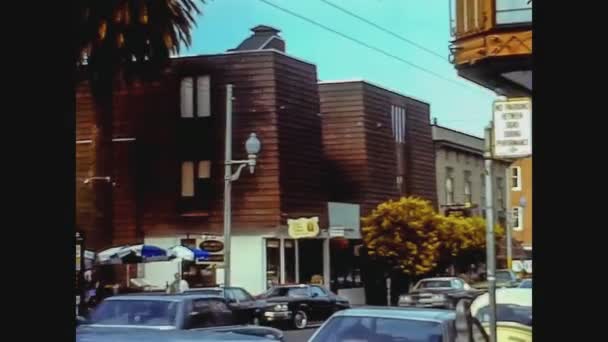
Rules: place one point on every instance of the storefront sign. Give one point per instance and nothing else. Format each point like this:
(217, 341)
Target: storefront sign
(212, 246)
(303, 227)
(513, 128)
(344, 220)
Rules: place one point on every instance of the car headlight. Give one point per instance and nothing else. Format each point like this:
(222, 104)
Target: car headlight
(406, 299)
(280, 307)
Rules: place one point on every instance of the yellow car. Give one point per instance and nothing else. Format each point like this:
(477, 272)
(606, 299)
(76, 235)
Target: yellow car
(513, 314)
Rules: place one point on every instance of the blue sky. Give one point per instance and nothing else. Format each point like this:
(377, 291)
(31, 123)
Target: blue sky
(464, 106)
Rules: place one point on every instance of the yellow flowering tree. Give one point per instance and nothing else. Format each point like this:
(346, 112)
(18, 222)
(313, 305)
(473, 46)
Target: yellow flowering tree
(403, 234)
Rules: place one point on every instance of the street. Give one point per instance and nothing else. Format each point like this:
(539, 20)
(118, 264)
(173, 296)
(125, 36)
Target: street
(298, 335)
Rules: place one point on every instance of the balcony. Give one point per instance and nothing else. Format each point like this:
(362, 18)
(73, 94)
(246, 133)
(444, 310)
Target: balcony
(493, 43)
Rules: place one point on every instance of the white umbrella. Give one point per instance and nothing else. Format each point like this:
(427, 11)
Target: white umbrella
(110, 256)
(186, 253)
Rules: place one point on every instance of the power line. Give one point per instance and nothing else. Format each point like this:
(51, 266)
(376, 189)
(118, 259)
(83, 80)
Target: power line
(385, 30)
(371, 47)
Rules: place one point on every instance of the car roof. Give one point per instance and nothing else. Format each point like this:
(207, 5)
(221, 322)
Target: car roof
(291, 285)
(441, 279)
(400, 313)
(163, 297)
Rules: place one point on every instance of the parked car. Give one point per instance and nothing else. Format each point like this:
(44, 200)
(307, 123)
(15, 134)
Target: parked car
(228, 334)
(300, 305)
(525, 284)
(247, 309)
(504, 279)
(398, 324)
(441, 292)
(513, 313)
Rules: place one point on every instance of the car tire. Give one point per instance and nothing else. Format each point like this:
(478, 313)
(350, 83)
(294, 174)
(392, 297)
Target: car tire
(299, 320)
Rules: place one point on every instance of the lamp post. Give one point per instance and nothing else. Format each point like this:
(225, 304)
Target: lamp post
(252, 146)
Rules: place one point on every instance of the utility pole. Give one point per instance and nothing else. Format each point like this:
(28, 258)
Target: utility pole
(228, 185)
(509, 235)
(490, 242)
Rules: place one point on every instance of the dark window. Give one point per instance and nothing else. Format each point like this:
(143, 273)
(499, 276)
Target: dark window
(435, 284)
(289, 292)
(290, 261)
(206, 313)
(195, 185)
(241, 295)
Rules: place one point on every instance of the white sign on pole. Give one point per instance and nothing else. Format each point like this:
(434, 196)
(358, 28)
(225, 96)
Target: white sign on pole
(513, 128)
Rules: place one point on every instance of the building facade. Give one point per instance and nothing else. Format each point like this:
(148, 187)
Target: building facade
(520, 203)
(461, 177)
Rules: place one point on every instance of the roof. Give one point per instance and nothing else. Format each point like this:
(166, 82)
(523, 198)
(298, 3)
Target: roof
(441, 279)
(162, 296)
(400, 313)
(360, 80)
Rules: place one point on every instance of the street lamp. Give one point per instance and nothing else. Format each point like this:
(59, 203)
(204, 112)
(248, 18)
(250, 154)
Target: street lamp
(252, 147)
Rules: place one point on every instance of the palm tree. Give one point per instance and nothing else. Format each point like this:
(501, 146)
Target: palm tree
(124, 40)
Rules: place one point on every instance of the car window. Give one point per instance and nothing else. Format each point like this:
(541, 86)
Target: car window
(507, 313)
(206, 313)
(457, 284)
(429, 284)
(229, 295)
(289, 292)
(135, 312)
(503, 276)
(241, 295)
(318, 291)
(367, 329)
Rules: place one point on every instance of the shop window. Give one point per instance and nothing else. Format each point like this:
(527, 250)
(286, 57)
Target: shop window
(290, 261)
(273, 262)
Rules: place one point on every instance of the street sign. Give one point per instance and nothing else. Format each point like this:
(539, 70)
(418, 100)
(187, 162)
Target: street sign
(303, 227)
(512, 135)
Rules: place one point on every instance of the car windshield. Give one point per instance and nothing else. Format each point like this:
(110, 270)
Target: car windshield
(507, 313)
(372, 329)
(429, 284)
(135, 312)
(503, 276)
(289, 292)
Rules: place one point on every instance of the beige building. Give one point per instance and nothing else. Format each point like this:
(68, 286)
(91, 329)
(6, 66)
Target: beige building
(460, 173)
(520, 201)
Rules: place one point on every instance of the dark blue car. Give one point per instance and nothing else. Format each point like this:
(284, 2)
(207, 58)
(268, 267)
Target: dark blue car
(163, 317)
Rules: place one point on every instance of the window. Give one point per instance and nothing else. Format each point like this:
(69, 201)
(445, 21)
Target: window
(187, 179)
(318, 292)
(513, 12)
(202, 169)
(468, 194)
(201, 102)
(136, 312)
(449, 186)
(290, 261)
(398, 122)
(273, 262)
(241, 295)
(516, 178)
(517, 218)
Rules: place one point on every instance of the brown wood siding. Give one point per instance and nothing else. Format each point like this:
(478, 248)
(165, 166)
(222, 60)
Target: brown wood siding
(360, 149)
(300, 147)
(344, 151)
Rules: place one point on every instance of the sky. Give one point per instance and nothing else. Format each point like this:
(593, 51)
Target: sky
(459, 104)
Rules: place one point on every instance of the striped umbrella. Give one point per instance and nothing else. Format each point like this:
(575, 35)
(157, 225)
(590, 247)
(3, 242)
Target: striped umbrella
(187, 253)
(132, 255)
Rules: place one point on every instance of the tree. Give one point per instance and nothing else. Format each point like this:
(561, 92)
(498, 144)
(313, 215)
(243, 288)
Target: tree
(402, 233)
(124, 40)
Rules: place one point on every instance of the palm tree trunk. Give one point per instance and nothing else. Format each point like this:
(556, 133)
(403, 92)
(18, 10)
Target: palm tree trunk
(102, 166)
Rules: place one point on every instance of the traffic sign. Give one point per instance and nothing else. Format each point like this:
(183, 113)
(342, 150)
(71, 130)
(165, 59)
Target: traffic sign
(512, 134)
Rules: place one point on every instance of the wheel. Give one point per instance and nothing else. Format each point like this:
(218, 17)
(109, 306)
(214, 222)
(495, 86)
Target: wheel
(300, 320)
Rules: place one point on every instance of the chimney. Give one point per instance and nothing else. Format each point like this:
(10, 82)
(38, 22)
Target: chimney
(263, 38)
